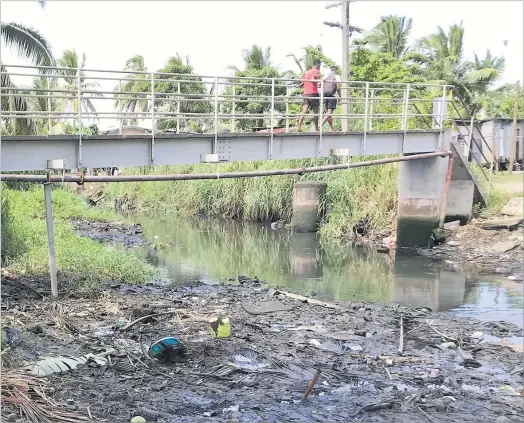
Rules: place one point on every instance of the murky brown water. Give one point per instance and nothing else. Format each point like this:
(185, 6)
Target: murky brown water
(216, 250)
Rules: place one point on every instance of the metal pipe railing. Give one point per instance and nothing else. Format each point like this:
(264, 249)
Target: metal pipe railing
(233, 98)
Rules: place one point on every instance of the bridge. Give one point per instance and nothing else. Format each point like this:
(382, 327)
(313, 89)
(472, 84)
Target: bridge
(196, 118)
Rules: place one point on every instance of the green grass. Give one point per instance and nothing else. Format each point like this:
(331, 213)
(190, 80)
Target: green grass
(351, 194)
(24, 240)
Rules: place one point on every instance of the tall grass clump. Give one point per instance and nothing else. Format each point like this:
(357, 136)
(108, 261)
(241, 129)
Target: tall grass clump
(351, 194)
(25, 243)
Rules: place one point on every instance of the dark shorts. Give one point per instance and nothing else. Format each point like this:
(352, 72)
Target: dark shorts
(330, 102)
(312, 101)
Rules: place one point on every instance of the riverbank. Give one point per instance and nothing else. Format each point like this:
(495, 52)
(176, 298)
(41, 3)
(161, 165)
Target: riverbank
(24, 240)
(278, 341)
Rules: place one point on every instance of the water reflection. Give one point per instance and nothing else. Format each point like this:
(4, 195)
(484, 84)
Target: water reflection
(216, 250)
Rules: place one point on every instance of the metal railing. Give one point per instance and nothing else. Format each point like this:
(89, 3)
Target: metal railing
(207, 104)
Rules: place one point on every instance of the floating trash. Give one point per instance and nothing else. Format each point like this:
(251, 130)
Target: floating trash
(167, 349)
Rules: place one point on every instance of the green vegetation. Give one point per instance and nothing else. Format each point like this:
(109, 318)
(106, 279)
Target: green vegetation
(351, 194)
(24, 240)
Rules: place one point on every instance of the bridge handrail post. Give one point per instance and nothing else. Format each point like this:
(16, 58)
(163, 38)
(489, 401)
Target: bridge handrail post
(49, 94)
(287, 108)
(79, 99)
(272, 116)
(442, 104)
(233, 110)
(406, 107)
(152, 116)
(366, 115)
(121, 119)
(321, 116)
(178, 109)
(216, 115)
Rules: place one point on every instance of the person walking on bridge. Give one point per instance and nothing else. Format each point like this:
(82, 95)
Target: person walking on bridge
(311, 94)
(331, 88)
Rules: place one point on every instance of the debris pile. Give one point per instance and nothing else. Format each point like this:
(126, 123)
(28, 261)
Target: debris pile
(248, 352)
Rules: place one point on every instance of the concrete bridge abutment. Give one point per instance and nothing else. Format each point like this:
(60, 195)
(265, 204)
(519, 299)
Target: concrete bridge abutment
(420, 197)
(308, 205)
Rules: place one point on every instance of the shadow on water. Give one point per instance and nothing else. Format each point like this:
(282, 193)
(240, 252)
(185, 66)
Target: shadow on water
(216, 250)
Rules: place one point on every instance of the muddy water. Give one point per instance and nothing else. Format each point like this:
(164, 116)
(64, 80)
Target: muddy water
(213, 251)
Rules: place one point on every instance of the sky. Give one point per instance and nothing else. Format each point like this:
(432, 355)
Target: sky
(213, 33)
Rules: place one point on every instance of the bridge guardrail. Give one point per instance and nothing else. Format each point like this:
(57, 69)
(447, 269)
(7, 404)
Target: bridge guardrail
(208, 104)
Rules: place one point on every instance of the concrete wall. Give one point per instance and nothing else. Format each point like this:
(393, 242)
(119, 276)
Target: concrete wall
(421, 186)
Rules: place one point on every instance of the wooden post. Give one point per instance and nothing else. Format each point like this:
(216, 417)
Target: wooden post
(513, 146)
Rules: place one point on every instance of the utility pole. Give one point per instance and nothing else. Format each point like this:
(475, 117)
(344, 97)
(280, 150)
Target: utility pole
(347, 30)
(513, 146)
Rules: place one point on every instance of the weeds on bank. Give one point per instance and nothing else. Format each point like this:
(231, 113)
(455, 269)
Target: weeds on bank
(24, 240)
(351, 194)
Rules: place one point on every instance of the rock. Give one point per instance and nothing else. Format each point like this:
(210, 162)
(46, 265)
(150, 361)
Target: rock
(504, 246)
(452, 225)
(514, 207)
(453, 243)
(138, 419)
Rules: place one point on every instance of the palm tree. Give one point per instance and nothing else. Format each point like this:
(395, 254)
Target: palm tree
(28, 43)
(134, 83)
(441, 55)
(256, 58)
(305, 62)
(70, 60)
(391, 35)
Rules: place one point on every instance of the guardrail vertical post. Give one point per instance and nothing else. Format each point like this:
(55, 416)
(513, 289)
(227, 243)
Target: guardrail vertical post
(216, 115)
(442, 105)
(121, 120)
(272, 117)
(79, 99)
(178, 109)
(406, 107)
(287, 108)
(233, 111)
(49, 124)
(50, 239)
(320, 117)
(366, 113)
(370, 115)
(152, 116)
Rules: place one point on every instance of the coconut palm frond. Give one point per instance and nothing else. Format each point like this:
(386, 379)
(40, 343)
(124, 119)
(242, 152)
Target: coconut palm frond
(28, 43)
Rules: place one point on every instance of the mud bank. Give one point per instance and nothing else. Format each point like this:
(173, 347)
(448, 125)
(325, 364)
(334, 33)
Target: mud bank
(483, 247)
(378, 363)
(113, 232)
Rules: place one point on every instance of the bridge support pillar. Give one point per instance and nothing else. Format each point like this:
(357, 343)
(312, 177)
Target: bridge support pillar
(308, 199)
(420, 194)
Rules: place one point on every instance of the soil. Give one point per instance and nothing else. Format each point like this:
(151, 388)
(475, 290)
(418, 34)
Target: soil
(470, 248)
(119, 232)
(277, 344)
(261, 371)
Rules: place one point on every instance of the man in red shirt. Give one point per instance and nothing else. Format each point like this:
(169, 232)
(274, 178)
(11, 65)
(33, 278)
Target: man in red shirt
(311, 92)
